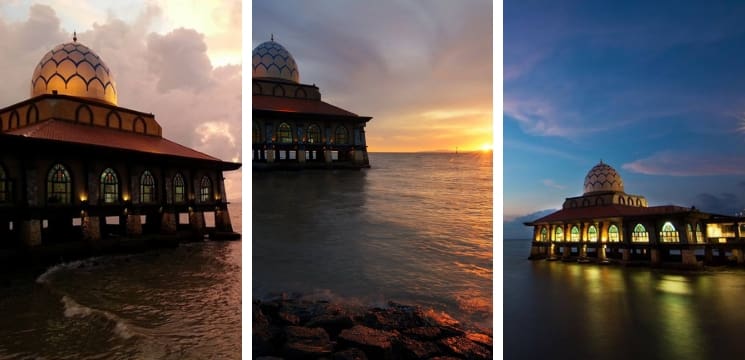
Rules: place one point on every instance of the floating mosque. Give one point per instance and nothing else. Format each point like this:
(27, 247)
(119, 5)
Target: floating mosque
(605, 224)
(292, 127)
(75, 165)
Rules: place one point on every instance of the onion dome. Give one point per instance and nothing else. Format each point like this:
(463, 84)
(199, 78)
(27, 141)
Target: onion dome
(74, 69)
(272, 60)
(603, 178)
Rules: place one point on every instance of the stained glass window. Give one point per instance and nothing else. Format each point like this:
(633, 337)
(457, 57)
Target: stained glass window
(592, 233)
(314, 134)
(58, 185)
(284, 133)
(205, 189)
(147, 187)
(179, 190)
(342, 135)
(109, 186)
(640, 234)
(613, 233)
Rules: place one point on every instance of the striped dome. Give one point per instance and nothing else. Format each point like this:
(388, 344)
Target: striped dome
(74, 69)
(603, 178)
(272, 60)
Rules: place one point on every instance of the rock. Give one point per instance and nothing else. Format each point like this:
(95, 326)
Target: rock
(264, 335)
(413, 349)
(377, 344)
(333, 324)
(482, 339)
(463, 347)
(424, 332)
(396, 317)
(350, 354)
(306, 343)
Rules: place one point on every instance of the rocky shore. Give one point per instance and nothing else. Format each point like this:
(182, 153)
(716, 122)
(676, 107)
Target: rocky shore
(293, 328)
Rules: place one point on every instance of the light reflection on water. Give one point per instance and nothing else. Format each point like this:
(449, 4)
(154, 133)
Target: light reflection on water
(572, 311)
(415, 228)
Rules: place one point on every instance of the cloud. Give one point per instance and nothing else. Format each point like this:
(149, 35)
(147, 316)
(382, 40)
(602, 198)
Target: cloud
(179, 60)
(679, 163)
(552, 184)
(725, 203)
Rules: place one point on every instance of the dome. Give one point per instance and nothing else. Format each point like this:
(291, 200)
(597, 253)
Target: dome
(74, 69)
(603, 178)
(272, 60)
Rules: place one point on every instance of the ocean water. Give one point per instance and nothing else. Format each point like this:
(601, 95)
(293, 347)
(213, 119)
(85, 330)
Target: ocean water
(415, 229)
(585, 311)
(180, 303)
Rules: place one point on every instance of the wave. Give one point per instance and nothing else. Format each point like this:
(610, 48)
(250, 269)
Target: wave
(47, 275)
(74, 309)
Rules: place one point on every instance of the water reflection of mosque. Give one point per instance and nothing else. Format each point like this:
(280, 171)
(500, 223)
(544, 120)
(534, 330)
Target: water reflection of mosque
(607, 225)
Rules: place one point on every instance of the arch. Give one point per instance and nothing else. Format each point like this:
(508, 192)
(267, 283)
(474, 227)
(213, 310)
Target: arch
(109, 186)
(668, 233)
(689, 233)
(639, 202)
(699, 234)
(179, 189)
(544, 234)
(639, 234)
(147, 187)
(599, 201)
(300, 93)
(83, 114)
(613, 234)
(559, 234)
(32, 116)
(630, 201)
(621, 200)
(574, 233)
(205, 189)
(13, 121)
(278, 90)
(113, 120)
(586, 202)
(314, 134)
(139, 125)
(341, 136)
(257, 89)
(256, 133)
(59, 185)
(592, 233)
(4, 185)
(573, 204)
(284, 133)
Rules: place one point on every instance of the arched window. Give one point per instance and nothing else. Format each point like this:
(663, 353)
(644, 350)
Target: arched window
(314, 134)
(109, 186)
(575, 233)
(284, 133)
(147, 187)
(544, 234)
(59, 185)
(559, 234)
(689, 233)
(592, 233)
(668, 233)
(4, 186)
(205, 189)
(256, 134)
(342, 135)
(640, 234)
(699, 234)
(613, 234)
(179, 190)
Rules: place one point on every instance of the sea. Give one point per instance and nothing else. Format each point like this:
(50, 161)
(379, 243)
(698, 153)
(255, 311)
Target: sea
(415, 229)
(176, 303)
(573, 311)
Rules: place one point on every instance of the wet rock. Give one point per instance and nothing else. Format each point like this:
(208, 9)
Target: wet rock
(479, 338)
(424, 332)
(332, 323)
(350, 354)
(264, 335)
(269, 308)
(306, 343)
(463, 347)
(409, 348)
(397, 316)
(377, 344)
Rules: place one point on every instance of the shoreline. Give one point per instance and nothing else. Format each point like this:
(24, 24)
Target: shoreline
(294, 328)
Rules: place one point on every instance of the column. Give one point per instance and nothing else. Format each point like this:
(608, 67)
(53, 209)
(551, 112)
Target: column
(134, 225)
(91, 227)
(196, 220)
(168, 223)
(31, 232)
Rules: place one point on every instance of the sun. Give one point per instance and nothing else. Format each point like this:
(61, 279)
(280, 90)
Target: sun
(486, 147)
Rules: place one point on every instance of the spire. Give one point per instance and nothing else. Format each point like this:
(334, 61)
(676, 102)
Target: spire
(272, 38)
(74, 36)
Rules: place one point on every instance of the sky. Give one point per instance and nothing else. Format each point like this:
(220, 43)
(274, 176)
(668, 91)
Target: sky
(654, 89)
(421, 68)
(180, 60)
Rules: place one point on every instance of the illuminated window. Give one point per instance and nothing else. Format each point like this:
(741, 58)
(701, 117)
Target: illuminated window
(668, 233)
(4, 186)
(342, 135)
(58, 185)
(256, 134)
(592, 233)
(544, 234)
(613, 234)
(689, 232)
(179, 190)
(575, 233)
(205, 189)
(699, 234)
(147, 188)
(109, 186)
(640, 234)
(284, 133)
(314, 134)
(559, 234)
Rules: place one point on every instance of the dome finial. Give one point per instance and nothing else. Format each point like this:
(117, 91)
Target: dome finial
(272, 38)
(74, 36)
(601, 161)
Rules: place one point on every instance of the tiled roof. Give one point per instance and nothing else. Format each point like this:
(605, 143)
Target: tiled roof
(608, 211)
(60, 130)
(284, 104)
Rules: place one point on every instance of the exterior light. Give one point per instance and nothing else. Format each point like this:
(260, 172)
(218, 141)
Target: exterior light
(125, 197)
(83, 197)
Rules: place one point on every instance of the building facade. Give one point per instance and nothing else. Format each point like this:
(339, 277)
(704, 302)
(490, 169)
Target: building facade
(607, 224)
(292, 127)
(75, 165)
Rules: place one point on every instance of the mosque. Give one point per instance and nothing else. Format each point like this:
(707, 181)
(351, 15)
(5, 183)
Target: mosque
(292, 127)
(75, 165)
(606, 224)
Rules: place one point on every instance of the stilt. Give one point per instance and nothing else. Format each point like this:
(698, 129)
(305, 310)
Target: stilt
(134, 225)
(31, 232)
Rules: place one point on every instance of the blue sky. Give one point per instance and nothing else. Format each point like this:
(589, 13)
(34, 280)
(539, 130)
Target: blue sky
(655, 89)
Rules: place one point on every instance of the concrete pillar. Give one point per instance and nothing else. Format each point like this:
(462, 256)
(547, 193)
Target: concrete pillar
(134, 225)
(567, 251)
(739, 255)
(300, 156)
(327, 156)
(91, 227)
(625, 254)
(708, 254)
(168, 223)
(359, 156)
(269, 155)
(31, 232)
(222, 221)
(196, 220)
(655, 257)
(583, 250)
(688, 257)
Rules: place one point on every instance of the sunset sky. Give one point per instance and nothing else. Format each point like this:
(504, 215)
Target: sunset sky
(180, 60)
(422, 69)
(655, 90)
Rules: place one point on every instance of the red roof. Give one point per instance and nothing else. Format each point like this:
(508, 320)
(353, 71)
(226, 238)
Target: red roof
(61, 130)
(284, 104)
(608, 211)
